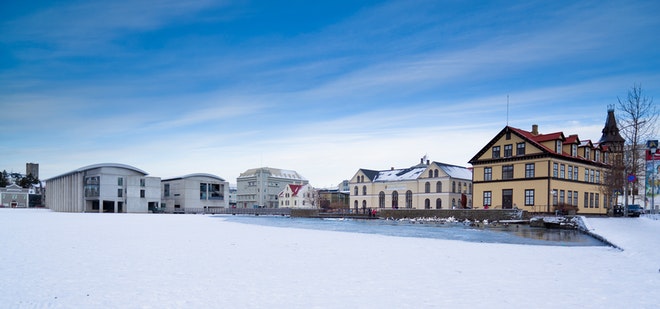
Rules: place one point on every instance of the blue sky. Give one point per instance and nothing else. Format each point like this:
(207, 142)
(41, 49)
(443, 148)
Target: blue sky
(323, 88)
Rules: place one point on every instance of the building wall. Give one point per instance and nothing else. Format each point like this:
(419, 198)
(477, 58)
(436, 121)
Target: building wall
(260, 187)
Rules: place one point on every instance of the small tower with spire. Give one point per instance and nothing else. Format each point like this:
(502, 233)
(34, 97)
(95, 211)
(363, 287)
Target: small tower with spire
(611, 137)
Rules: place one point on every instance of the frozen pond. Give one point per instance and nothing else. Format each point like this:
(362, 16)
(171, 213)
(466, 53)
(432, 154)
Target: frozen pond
(509, 234)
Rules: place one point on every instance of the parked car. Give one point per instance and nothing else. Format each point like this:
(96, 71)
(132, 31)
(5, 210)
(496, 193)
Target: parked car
(634, 210)
(618, 210)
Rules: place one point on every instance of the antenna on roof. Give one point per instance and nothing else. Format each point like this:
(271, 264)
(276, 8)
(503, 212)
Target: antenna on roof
(507, 110)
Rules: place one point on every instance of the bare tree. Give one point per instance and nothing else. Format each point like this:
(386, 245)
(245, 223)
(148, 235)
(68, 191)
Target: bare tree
(638, 116)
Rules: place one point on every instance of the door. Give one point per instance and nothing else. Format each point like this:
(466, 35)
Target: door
(507, 199)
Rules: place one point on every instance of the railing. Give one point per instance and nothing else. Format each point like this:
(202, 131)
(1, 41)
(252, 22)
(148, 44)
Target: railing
(232, 211)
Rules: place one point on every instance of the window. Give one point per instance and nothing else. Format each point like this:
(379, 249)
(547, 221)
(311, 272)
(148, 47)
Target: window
(120, 181)
(574, 150)
(142, 183)
(459, 187)
(430, 174)
(203, 191)
(488, 198)
(597, 176)
(520, 149)
(587, 153)
(488, 173)
(395, 200)
(355, 190)
(596, 203)
(529, 170)
(166, 189)
(529, 197)
(364, 190)
(586, 174)
(576, 172)
(427, 187)
(586, 200)
(591, 176)
(562, 171)
(558, 146)
(554, 198)
(453, 187)
(591, 200)
(427, 204)
(215, 193)
(569, 199)
(381, 199)
(438, 187)
(120, 192)
(141, 193)
(508, 150)
(409, 199)
(507, 172)
(496, 152)
(438, 204)
(575, 198)
(435, 173)
(570, 172)
(562, 196)
(597, 154)
(555, 170)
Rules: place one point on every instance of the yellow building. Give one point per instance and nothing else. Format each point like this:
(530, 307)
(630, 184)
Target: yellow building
(427, 185)
(541, 172)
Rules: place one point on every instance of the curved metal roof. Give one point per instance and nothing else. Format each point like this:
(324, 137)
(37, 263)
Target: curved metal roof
(197, 175)
(100, 165)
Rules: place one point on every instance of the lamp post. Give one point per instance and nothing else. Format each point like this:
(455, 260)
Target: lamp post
(653, 147)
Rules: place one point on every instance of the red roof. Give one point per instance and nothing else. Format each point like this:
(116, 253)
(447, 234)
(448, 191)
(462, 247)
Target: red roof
(295, 189)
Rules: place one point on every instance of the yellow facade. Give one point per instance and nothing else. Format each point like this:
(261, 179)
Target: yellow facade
(540, 173)
(430, 185)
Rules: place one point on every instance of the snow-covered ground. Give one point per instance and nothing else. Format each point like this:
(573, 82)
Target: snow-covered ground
(72, 260)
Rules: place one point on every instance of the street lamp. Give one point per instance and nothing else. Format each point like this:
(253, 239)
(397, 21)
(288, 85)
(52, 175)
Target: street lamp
(653, 147)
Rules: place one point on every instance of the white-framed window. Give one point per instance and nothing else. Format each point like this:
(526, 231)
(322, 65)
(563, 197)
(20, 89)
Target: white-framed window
(529, 197)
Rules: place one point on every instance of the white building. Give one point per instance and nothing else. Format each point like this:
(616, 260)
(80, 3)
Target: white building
(297, 196)
(15, 196)
(195, 193)
(106, 187)
(259, 187)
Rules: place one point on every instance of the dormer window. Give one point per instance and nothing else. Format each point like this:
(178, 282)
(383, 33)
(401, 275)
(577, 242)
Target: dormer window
(574, 150)
(597, 154)
(508, 150)
(520, 149)
(558, 145)
(587, 153)
(496, 152)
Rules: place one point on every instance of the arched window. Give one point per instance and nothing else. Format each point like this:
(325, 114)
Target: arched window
(430, 174)
(427, 204)
(459, 187)
(427, 187)
(453, 203)
(364, 204)
(453, 187)
(364, 190)
(356, 204)
(470, 189)
(381, 199)
(438, 187)
(408, 199)
(438, 204)
(355, 191)
(435, 173)
(395, 200)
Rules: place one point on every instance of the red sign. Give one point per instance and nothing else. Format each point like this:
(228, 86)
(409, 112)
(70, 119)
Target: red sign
(655, 156)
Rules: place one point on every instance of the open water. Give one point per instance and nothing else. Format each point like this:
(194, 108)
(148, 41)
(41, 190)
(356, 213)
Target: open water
(490, 233)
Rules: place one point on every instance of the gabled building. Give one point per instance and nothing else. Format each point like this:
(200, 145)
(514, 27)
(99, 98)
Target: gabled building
(195, 193)
(297, 196)
(260, 187)
(427, 185)
(541, 173)
(15, 196)
(106, 187)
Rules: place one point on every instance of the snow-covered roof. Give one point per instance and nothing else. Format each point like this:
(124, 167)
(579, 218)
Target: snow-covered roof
(274, 172)
(456, 171)
(400, 174)
(101, 165)
(196, 175)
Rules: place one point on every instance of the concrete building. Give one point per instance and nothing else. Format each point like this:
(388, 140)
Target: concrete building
(106, 187)
(32, 169)
(259, 187)
(297, 196)
(542, 172)
(427, 185)
(194, 193)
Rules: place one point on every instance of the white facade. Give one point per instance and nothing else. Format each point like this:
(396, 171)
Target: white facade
(195, 192)
(106, 187)
(259, 187)
(297, 196)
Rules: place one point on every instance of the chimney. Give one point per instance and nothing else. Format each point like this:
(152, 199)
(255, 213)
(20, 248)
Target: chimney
(535, 129)
(428, 162)
(392, 168)
(421, 160)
